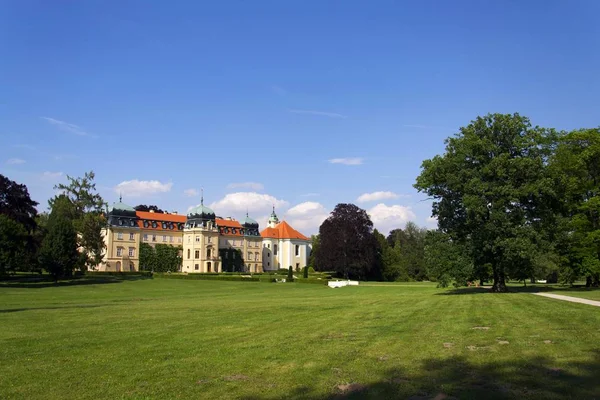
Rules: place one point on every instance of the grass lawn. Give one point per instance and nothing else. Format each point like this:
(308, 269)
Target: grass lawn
(159, 338)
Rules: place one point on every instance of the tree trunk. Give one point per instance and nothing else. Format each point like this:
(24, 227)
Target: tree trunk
(499, 285)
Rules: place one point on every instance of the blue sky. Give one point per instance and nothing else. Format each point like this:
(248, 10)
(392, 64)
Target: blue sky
(253, 100)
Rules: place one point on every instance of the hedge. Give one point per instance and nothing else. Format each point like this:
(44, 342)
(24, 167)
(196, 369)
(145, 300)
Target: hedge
(206, 277)
(120, 273)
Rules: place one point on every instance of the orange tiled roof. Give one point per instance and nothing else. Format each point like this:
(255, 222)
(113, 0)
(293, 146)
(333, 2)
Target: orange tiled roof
(226, 223)
(160, 218)
(283, 230)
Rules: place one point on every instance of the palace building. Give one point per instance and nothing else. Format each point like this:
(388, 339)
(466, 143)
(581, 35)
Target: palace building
(209, 243)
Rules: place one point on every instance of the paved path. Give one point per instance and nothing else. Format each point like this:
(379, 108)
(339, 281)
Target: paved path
(570, 298)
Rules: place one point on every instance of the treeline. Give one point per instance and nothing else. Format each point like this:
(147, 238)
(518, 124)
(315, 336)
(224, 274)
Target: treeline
(32, 242)
(512, 200)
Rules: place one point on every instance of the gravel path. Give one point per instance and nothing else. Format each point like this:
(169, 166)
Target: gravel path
(569, 298)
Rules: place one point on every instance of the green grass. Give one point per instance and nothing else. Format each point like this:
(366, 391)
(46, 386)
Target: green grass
(163, 338)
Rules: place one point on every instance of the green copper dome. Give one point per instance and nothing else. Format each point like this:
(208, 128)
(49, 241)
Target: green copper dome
(249, 221)
(273, 217)
(201, 210)
(120, 206)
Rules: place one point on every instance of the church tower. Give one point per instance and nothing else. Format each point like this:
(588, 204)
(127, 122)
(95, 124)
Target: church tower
(273, 220)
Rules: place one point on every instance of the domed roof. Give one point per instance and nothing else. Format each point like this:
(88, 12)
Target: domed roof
(249, 221)
(201, 209)
(120, 206)
(273, 217)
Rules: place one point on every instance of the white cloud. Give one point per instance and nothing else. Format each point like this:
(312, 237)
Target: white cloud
(376, 196)
(347, 161)
(307, 217)
(190, 192)
(236, 204)
(136, 188)
(246, 185)
(68, 127)
(15, 161)
(51, 176)
(431, 222)
(386, 218)
(320, 113)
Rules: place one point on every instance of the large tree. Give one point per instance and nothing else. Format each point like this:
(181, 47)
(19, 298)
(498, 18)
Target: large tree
(492, 188)
(347, 245)
(13, 245)
(59, 254)
(407, 252)
(576, 165)
(87, 215)
(16, 204)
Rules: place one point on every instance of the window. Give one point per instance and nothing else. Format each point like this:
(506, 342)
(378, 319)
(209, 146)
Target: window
(180, 239)
(268, 254)
(298, 267)
(145, 237)
(249, 256)
(234, 243)
(196, 267)
(120, 235)
(164, 238)
(119, 251)
(131, 267)
(131, 236)
(256, 256)
(268, 245)
(118, 265)
(274, 249)
(268, 264)
(197, 239)
(189, 254)
(197, 254)
(171, 239)
(207, 253)
(154, 238)
(297, 250)
(208, 266)
(131, 252)
(210, 239)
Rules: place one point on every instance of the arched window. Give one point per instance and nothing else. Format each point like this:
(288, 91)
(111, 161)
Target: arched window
(208, 253)
(208, 266)
(118, 266)
(131, 266)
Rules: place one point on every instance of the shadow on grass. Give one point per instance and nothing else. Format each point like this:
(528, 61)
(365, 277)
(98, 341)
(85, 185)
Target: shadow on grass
(519, 289)
(457, 378)
(11, 310)
(47, 282)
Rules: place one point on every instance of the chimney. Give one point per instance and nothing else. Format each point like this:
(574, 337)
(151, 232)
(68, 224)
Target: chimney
(152, 211)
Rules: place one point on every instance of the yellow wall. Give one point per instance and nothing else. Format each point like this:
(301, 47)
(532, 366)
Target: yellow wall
(126, 239)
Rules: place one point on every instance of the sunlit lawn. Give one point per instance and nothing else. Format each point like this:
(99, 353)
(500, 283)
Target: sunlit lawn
(201, 339)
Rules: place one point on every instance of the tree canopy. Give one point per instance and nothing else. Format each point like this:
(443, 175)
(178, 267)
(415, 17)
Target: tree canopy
(346, 243)
(16, 204)
(491, 187)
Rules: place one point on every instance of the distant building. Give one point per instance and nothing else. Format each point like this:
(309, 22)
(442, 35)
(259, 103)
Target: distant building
(283, 246)
(209, 243)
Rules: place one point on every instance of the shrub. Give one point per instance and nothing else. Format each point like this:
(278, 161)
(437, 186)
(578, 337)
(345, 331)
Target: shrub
(311, 270)
(121, 273)
(290, 275)
(305, 273)
(207, 277)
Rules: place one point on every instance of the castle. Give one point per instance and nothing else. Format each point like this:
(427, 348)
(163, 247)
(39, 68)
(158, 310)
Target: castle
(207, 241)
